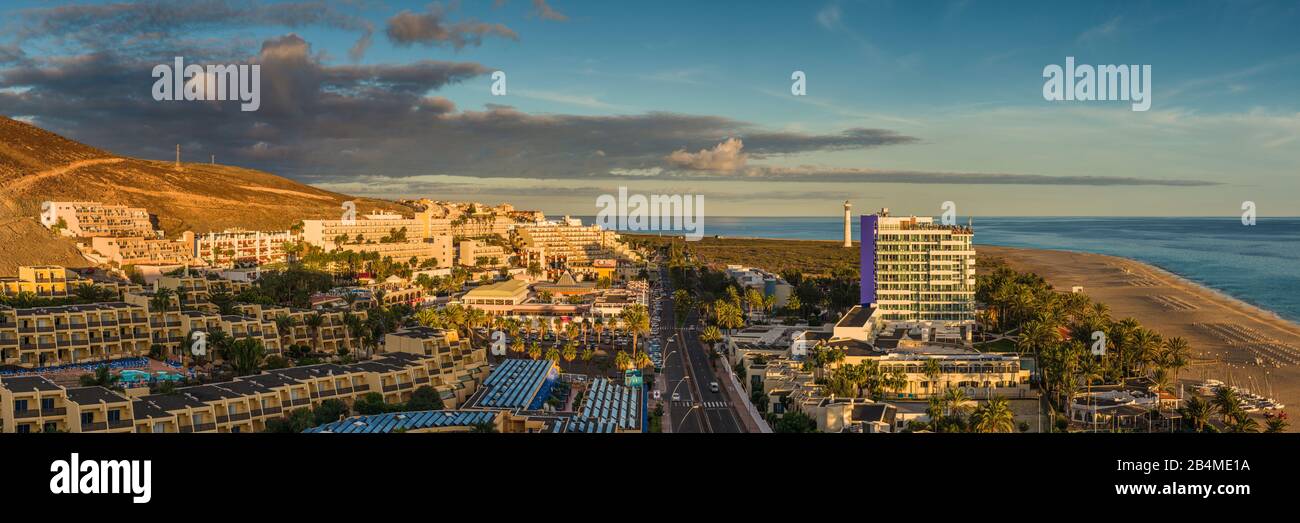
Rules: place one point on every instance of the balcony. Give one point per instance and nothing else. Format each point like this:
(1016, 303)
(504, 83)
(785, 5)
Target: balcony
(93, 426)
(203, 427)
(54, 412)
(271, 411)
(24, 414)
(240, 416)
(390, 388)
(119, 424)
(361, 387)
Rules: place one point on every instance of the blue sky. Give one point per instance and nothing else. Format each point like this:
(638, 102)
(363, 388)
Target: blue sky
(960, 80)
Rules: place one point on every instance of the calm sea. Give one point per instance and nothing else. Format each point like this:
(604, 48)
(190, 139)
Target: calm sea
(1259, 264)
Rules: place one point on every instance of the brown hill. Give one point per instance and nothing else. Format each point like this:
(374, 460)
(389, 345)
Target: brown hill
(37, 165)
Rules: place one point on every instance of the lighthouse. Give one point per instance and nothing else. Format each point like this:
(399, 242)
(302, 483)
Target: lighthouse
(848, 229)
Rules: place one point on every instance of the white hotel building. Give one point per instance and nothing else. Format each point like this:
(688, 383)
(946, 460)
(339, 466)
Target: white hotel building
(917, 270)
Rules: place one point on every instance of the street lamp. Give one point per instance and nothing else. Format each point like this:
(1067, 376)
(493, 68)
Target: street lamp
(688, 413)
(679, 384)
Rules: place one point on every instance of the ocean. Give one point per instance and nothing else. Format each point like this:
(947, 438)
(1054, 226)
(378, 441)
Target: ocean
(1257, 264)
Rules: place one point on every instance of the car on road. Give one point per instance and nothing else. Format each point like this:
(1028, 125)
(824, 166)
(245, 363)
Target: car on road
(677, 396)
(713, 386)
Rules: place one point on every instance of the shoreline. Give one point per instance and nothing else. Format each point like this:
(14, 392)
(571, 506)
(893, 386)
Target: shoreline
(1226, 334)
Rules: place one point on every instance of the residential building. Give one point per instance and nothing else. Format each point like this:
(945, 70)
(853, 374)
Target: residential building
(142, 250)
(915, 269)
(235, 246)
(94, 219)
(474, 253)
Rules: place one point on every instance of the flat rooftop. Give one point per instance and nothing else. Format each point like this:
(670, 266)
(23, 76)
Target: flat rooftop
(392, 421)
(514, 384)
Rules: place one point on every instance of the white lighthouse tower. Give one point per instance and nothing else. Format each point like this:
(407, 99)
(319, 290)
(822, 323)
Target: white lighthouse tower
(848, 228)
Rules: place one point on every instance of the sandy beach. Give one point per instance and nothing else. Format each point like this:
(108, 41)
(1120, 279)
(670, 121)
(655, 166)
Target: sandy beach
(1232, 341)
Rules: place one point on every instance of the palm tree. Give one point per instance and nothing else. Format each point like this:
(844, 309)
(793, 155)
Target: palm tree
(553, 354)
(1275, 425)
(162, 300)
(956, 400)
(1197, 411)
(1241, 422)
(314, 321)
(354, 325)
(570, 351)
(711, 335)
(642, 360)
(587, 355)
(637, 320)
(1177, 354)
(245, 355)
(622, 361)
(283, 325)
(535, 351)
(1227, 402)
(994, 416)
(932, 370)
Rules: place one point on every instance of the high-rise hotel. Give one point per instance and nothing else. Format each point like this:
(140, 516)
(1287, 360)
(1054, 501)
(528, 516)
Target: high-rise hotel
(916, 270)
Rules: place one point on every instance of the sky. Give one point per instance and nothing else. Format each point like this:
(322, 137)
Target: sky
(907, 105)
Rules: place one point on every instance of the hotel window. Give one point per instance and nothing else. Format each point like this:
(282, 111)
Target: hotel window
(159, 426)
(20, 405)
(50, 426)
(24, 428)
(114, 415)
(87, 417)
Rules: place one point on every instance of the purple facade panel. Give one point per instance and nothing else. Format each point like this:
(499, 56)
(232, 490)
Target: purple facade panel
(867, 259)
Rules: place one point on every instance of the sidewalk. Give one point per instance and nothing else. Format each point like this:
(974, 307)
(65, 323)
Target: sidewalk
(744, 409)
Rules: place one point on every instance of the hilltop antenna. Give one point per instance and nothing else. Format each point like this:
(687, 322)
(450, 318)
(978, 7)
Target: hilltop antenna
(178, 156)
(213, 160)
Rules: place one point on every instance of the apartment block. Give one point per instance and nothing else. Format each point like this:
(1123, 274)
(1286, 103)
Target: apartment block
(144, 250)
(568, 244)
(49, 336)
(45, 281)
(94, 219)
(474, 253)
(234, 246)
(245, 404)
(36, 404)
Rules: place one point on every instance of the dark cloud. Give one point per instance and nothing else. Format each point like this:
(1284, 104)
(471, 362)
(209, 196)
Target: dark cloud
(433, 28)
(821, 174)
(11, 54)
(145, 25)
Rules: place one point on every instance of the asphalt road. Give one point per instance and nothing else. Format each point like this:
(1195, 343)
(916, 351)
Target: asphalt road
(698, 409)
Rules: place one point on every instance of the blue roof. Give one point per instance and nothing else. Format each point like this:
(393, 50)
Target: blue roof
(611, 404)
(424, 419)
(515, 382)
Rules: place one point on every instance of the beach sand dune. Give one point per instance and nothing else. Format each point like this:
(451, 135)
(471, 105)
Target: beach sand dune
(1232, 341)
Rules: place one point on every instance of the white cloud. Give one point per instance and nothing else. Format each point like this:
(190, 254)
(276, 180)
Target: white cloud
(727, 156)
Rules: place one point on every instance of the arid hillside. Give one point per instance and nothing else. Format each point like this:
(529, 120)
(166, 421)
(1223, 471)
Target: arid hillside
(37, 165)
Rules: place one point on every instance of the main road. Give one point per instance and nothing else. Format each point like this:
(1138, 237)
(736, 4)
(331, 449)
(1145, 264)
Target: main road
(688, 370)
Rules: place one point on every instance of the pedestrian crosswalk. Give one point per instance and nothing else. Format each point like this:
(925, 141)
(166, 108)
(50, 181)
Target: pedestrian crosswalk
(705, 404)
